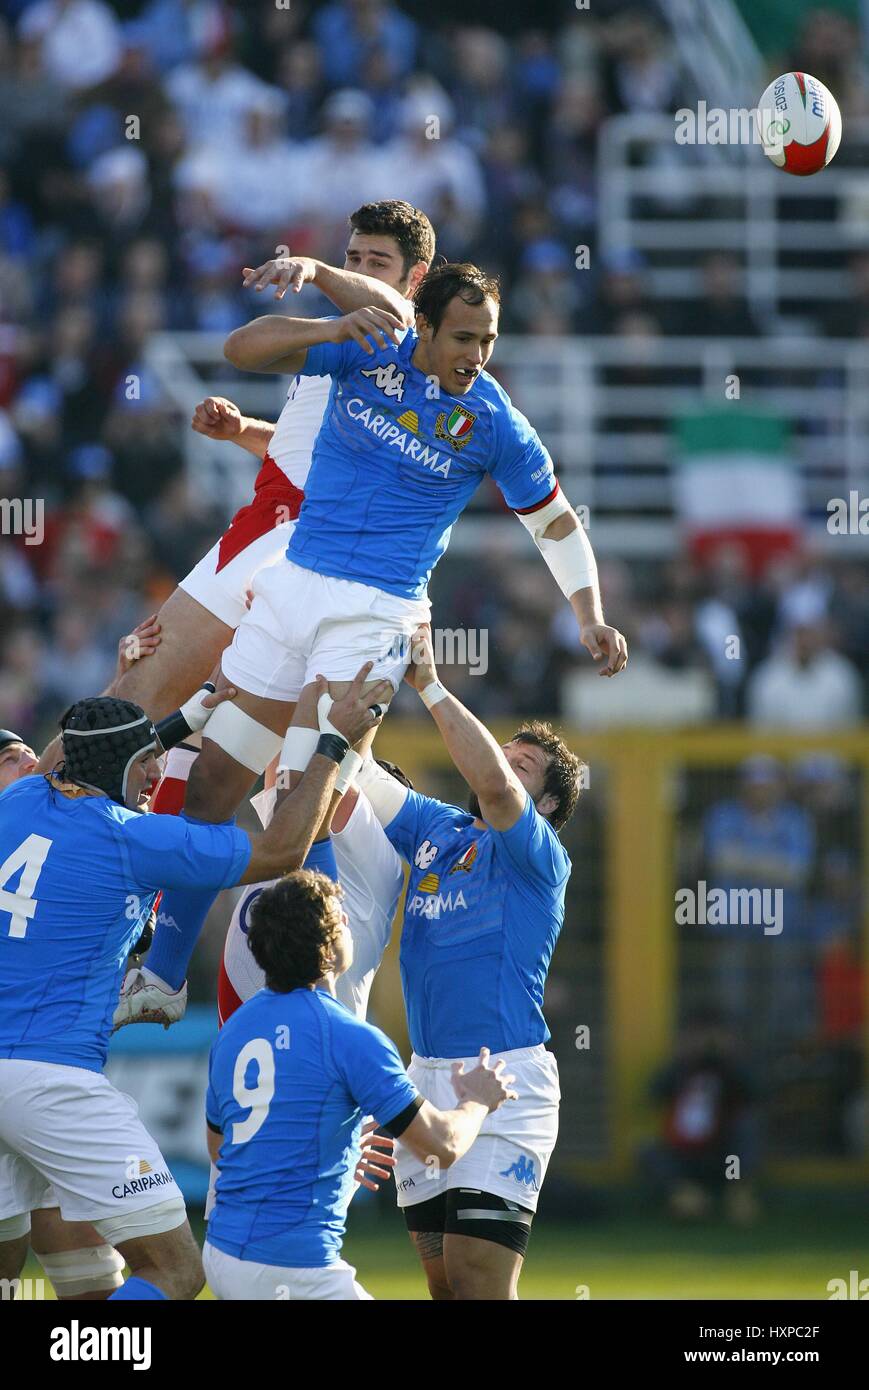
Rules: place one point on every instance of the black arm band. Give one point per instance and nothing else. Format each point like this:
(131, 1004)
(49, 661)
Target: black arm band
(173, 729)
(332, 746)
(396, 1127)
(215, 1129)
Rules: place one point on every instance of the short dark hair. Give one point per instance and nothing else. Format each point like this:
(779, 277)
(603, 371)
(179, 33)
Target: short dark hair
(407, 225)
(442, 284)
(564, 772)
(293, 926)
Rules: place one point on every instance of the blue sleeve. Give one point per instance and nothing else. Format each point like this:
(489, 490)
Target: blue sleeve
(171, 852)
(372, 1070)
(533, 849)
(332, 359)
(321, 857)
(523, 468)
(405, 830)
(212, 1108)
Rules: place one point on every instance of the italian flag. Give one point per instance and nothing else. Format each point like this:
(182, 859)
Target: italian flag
(736, 483)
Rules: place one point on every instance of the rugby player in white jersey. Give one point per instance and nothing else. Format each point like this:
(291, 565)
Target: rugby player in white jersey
(391, 247)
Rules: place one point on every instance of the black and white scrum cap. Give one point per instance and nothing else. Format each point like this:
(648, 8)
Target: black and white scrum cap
(102, 737)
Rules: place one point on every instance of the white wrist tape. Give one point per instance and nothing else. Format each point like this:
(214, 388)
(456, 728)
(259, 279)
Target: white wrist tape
(387, 796)
(196, 716)
(348, 770)
(297, 749)
(264, 805)
(324, 706)
(433, 694)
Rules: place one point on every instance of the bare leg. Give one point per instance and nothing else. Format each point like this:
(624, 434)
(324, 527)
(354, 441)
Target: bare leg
(171, 1261)
(13, 1253)
(478, 1269)
(430, 1248)
(218, 781)
(192, 640)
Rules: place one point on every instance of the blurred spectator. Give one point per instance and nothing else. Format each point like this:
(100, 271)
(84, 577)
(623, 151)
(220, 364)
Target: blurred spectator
(707, 1098)
(74, 662)
(215, 95)
(720, 310)
(351, 31)
(431, 169)
(806, 685)
(342, 168)
(80, 42)
(548, 284)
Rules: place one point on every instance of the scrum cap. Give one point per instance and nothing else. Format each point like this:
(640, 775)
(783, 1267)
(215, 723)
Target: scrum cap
(102, 737)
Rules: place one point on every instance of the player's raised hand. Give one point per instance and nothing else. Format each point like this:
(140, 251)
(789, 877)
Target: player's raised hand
(605, 644)
(217, 418)
(142, 641)
(352, 715)
(363, 324)
(286, 273)
(376, 1159)
(487, 1085)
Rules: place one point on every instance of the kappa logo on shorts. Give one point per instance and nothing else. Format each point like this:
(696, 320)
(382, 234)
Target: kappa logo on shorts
(523, 1171)
(408, 1182)
(425, 855)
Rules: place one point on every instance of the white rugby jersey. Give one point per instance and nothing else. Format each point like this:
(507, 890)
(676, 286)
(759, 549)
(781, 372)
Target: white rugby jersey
(298, 425)
(372, 877)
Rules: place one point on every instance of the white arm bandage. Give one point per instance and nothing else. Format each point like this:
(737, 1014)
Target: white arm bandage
(387, 796)
(570, 560)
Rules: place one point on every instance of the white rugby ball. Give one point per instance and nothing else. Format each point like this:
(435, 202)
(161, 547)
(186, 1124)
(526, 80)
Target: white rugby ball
(799, 123)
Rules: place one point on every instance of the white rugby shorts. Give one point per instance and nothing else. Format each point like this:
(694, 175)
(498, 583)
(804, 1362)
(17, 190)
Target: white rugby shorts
(235, 1280)
(68, 1138)
(224, 591)
(511, 1153)
(302, 624)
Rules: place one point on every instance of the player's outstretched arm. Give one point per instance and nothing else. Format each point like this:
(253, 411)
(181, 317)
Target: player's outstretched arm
(218, 418)
(284, 845)
(278, 344)
(448, 1134)
(560, 537)
(472, 748)
(347, 289)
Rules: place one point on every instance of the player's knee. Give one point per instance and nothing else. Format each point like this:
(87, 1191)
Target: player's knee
(14, 1242)
(93, 1271)
(438, 1285)
(211, 794)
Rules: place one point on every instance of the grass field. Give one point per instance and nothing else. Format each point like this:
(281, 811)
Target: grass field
(792, 1252)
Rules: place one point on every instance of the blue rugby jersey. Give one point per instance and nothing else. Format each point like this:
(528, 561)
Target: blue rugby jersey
(482, 914)
(290, 1077)
(78, 879)
(392, 470)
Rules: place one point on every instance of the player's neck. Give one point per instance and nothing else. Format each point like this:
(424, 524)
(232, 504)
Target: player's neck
(69, 789)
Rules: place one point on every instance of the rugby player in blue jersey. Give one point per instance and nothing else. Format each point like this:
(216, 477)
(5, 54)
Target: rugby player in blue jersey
(483, 911)
(291, 1074)
(414, 424)
(80, 867)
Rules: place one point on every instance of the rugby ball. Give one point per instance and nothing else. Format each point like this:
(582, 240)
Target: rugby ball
(799, 123)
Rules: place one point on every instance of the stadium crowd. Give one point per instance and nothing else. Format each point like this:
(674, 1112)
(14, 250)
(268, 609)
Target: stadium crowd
(183, 139)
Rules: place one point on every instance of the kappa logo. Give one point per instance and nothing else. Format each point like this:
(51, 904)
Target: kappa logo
(425, 855)
(523, 1171)
(388, 380)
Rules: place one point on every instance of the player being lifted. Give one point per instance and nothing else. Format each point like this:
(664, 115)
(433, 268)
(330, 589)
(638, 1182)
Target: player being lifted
(414, 424)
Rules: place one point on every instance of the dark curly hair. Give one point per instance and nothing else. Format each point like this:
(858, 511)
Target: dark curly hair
(445, 282)
(407, 225)
(293, 929)
(564, 771)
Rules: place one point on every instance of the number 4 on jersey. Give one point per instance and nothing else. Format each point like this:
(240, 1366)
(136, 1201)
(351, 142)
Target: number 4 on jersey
(29, 856)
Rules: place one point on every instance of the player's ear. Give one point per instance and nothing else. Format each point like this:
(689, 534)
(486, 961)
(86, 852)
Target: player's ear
(424, 329)
(547, 804)
(416, 274)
